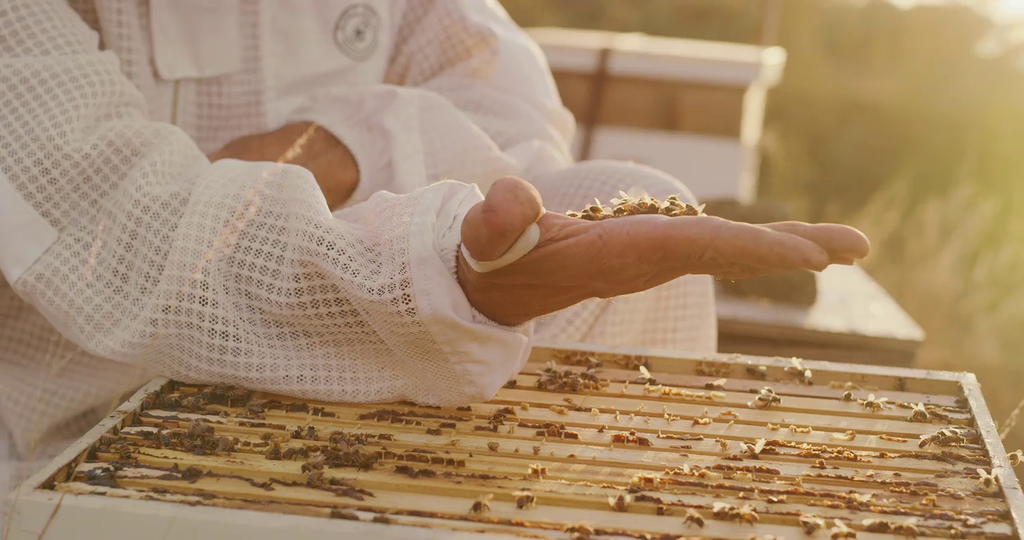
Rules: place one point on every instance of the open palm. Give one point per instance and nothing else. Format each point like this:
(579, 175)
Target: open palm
(576, 260)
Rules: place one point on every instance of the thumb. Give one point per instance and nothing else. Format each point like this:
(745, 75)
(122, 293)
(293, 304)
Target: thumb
(494, 224)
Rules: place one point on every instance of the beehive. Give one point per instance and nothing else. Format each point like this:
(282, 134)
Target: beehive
(610, 443)
(691, 108)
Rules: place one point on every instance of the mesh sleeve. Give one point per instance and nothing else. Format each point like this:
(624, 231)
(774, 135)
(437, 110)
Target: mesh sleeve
(467, 95)
(232, 272)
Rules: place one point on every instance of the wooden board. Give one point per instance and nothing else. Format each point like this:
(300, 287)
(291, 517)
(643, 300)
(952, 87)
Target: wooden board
(853, 320)
(185, 461)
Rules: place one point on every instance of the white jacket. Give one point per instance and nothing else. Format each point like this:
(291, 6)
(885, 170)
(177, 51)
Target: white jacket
(125, 252)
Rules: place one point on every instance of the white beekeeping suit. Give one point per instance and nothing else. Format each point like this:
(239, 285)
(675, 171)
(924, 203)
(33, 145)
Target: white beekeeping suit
(125, 252)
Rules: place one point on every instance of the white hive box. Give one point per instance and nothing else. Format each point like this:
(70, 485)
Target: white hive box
(694, 109)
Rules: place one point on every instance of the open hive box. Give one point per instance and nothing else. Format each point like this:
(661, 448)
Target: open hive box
(589, 446)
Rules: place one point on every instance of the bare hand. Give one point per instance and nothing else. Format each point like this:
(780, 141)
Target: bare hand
(576, 260)
(322, 154)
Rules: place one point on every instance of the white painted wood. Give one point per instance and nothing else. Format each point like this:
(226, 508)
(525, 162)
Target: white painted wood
(712, 167)
(89, 517)
(663, 58)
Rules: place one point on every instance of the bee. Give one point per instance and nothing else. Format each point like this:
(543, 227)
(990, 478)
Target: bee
(754, 450)
(847, 396)
(198, 428)
(842, 531)
(987, 479)
(760, 372)
(536, 450)
(579, 532)
(1015, 458)
(314, 463)
(874, 405)
(274, 453)
(645, 376)
(620, 502)
(710, 476)
(368, 460)
(524, 499)
(643, 481)
(743, 477)
(310, 434)
(237, 395)
(765, 399)
(492, 446)
(481, 504)
(121, 449)
(292, 452)
(748, 515)
(149, 401)
(796, 368)
(811, 523)
(693, 517)
(171, 402)
(193, 403)
(907, 528)
(715, 385)
(536, 469)
(316, 479)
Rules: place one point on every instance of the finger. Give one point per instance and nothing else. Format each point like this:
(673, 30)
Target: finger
(726, 242)
(840, 241)
(492, 226)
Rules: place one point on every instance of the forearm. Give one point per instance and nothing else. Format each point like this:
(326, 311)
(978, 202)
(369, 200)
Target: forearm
(232, 272)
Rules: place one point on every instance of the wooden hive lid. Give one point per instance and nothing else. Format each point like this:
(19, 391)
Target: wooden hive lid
(661, 58)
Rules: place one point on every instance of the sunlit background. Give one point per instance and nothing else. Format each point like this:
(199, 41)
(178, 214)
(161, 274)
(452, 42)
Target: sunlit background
(905, 118)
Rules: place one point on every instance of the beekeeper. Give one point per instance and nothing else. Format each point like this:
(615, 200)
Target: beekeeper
(168, 172)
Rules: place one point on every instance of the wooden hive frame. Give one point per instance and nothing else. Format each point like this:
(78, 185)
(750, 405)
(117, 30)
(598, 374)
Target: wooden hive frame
(426, 467)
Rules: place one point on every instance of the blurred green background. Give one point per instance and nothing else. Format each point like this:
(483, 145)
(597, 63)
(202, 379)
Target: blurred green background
(903, 122)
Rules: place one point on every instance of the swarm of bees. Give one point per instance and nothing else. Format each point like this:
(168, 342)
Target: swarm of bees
(625, 205)
(560, 380)
(949, 436)
(765, 399)
(729, 512)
